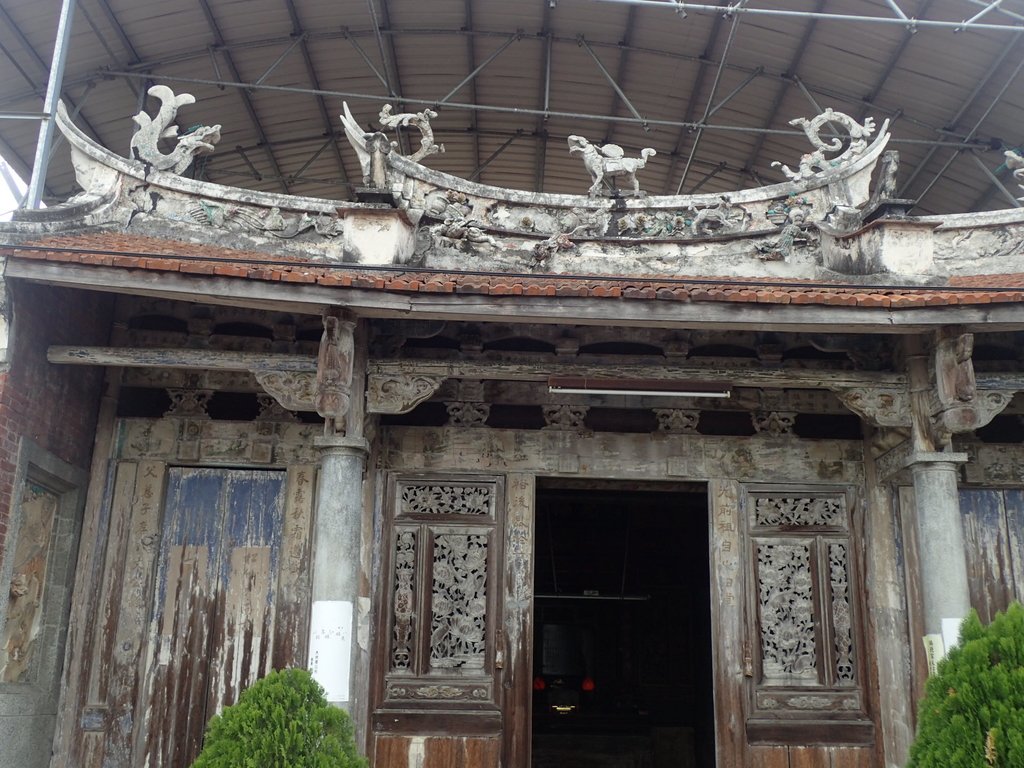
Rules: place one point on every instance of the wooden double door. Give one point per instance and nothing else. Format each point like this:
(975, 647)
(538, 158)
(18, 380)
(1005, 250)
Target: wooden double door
(453, 669)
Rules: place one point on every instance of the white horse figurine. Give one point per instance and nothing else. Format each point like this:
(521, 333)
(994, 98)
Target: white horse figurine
(608, 162)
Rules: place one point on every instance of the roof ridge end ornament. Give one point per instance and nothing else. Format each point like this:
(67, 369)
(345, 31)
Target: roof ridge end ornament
(371, 146)
(815, 162)
(1015, 163)
(198, 140)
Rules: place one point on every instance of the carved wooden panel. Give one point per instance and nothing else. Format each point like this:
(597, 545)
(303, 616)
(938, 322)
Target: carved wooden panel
(442, 591)
(804, 616)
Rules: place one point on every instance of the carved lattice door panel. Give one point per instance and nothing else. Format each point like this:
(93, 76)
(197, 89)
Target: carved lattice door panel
(444, 642)
(803, 653)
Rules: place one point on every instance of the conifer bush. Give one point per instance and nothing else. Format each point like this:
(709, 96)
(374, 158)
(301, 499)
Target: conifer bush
(972, 715)
(281, 721)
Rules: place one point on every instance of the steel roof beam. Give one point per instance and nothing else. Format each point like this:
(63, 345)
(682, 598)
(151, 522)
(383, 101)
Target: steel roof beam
(997, 183)
(373, 67)
(615, 86)
(704, 61)
(299, 39)
(321, 102)
(540, 156)
(622, 70)
(247, 102)
(515, 110)
(819, 15)
(780, 93)
(388, 58)
(967, 103)
(890, 65)
(494, 155)
(471, 77)
(977, 125)
(711, 101)
(474, 123)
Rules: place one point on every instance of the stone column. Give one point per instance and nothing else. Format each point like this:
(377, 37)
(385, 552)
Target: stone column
(337, 535)
(940, 539)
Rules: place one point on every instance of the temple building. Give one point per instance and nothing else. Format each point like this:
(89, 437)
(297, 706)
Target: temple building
(526, 478)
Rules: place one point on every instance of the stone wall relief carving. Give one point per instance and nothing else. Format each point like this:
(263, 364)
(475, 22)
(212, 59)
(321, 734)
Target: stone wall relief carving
(815, 162)
(797, 230)
(264, 221)
(608, 163)
(145, 143)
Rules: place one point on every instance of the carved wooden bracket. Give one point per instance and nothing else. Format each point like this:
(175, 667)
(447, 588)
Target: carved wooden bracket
(881, 406)
(399, 393)
(332, 394)
(294, 390)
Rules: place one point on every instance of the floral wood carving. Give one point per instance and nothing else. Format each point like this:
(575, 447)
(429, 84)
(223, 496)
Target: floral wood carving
(458, 603)
(463, 414)
(144, 145)
(774, 423)
(839, 581)
(446, 500)
(294, 390)
(189, 403)
(882, 407)
(793, 511)
(399, 393)
(677, 420)
(404, 596)
(565, 417)
(786, 612)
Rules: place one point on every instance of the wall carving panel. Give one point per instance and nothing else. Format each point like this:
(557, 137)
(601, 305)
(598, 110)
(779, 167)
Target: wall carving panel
(446, 500)
(404, 596)
(458, 603)
(786, 612)
(842, 625)
(790, 511)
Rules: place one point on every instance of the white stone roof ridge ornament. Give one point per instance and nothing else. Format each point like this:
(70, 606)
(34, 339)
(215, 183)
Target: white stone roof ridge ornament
(419, 120)
(199, 140)
(1015, 163)
(607, 163)
(815, 162)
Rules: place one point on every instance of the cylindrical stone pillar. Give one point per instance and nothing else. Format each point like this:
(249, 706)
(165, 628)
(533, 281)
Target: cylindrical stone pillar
(940, 539)
(337, 536)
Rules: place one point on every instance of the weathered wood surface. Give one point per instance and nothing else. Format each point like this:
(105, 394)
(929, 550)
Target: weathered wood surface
(627, 456)
(223, 443)
(311, 299)
(912, 577)
(745, 375)
(730, 647)
(517, 682)
(993, 521)
(886, 621)
(811, 757)
(436, 752)
(173, 357)
(214, 612)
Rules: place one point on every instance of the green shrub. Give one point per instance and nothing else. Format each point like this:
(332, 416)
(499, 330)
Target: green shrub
(281, 721)
(972, 715)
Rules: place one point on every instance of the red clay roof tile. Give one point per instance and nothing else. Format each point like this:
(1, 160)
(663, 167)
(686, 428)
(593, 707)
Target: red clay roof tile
(122, 251)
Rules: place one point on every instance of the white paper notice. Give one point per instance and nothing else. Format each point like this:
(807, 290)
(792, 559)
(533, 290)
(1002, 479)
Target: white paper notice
(951, 633)
(330, 647)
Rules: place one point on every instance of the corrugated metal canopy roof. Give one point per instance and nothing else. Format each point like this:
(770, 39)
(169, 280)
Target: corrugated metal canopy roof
(274, 73)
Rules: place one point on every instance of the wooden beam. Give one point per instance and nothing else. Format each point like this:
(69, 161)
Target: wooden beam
(157, 357)
(311, 298)
(777, 378)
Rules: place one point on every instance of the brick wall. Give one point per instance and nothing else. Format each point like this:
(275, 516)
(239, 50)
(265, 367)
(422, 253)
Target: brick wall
(53, 405)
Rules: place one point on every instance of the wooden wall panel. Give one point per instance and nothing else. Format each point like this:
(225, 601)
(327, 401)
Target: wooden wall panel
(391, 751)
(987, 543)
(768, 757)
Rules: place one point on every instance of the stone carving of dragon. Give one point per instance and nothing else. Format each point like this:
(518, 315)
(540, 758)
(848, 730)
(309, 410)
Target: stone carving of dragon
(145, 143)
(815, 162)
(420, 120)
(608, 163)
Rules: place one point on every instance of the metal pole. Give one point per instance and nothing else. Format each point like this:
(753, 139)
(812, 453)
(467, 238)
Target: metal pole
(614, 85)
(53, 89)
(912, 23)
(996, 181)
(480, 68)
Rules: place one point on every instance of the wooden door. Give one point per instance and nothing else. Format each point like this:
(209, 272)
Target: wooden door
(214, 605)
(791, 676)
(453, 653)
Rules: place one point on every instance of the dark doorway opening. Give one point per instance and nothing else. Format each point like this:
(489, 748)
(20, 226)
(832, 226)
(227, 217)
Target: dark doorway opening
(622, 645)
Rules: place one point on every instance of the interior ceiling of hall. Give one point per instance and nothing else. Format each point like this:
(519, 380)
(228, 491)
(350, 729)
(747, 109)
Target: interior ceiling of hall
(638, 75)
